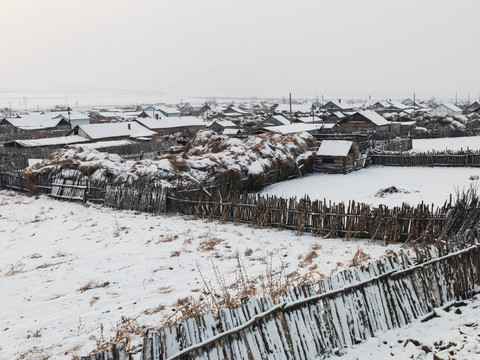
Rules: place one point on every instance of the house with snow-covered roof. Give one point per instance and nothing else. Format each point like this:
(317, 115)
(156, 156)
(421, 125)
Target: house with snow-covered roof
(33, 123)
(169, 112)
(53, 142)
(74, 118)
(220, 125)
(333, 106)
(338, 157)
(364, 121)
(313, 129)
(446, 109)
(188, 125)
(115, 131)
(275, 120)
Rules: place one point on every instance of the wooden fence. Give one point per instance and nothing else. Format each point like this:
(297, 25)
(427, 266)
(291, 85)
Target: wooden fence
(447, 158)
(321, 218)
(421, 223)
(312, 320)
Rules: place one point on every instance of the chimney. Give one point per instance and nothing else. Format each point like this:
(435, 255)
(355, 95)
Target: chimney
(156, 116)
(129, 126)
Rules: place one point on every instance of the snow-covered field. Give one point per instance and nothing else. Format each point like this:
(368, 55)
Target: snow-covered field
(442, 144)
(416, 184)
(67, 270)
(452, 335)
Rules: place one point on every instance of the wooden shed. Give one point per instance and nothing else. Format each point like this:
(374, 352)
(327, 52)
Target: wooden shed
(337, 157)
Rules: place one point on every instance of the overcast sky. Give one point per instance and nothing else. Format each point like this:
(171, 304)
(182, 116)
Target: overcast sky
(347, 48)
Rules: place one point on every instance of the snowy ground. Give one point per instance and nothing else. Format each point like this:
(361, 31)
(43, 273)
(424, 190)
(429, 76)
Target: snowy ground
(453, 335)
(68, 269)
(442, 144)
(417, 184)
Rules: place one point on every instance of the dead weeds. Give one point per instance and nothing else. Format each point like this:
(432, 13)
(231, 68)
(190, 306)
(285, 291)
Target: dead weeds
(92, 284)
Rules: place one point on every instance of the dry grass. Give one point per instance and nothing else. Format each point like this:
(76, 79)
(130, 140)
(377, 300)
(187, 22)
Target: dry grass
(94, 300)
(34, 353)
(164, 290)
(47, 265)
(166, 238)
(15, 269)
(154, 310)
(308, 259)
(209, 244)
(124, 330)
(359, 258)
(92, 284)
(175, 254)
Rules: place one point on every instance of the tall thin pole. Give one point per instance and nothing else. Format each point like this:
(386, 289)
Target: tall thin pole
(414, 102)
(291, 117)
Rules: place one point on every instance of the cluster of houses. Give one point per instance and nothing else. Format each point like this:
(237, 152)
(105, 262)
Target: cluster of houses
(154, 123)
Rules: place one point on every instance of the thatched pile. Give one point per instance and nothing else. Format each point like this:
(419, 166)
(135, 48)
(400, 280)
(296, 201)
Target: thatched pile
(208, 159)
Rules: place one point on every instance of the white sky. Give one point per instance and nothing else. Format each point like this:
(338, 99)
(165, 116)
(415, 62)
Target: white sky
(260, 48)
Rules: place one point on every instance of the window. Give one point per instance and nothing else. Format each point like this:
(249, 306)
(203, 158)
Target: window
(161, 132)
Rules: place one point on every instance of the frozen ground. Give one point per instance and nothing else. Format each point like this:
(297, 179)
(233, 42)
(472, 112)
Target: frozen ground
(442, 144)
(68, 270)
(417, 184)
(453, 335)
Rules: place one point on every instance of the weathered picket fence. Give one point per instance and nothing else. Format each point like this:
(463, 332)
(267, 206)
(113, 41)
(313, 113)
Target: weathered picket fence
(313, 320)
(321, 218)
(115, 352)
(421, 223)
(434, 158)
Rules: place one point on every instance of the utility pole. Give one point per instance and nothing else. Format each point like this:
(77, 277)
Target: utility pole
(10, 104)
(414, 102)
(455, 98)
(291, 117)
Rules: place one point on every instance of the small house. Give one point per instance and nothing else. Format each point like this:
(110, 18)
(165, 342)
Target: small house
(446, 109)
(34, 124)
(333, 106)
(220, 125)
(170, 112)
(364, 121)
(188, 125)
(115, 131)
(276, 120)
(337, 157)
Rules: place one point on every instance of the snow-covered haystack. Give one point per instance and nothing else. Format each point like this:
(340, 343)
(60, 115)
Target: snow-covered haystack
(208, 159)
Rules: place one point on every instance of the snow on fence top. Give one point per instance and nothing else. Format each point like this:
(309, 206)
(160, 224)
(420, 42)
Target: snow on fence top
(208, 158)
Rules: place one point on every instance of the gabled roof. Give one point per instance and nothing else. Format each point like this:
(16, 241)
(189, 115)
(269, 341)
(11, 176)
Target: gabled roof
(167, 123)
(451, 106)
(169, 110)
(36, 121)
(231, 131)
(281, 119)
(303, 108)
(337, 114)
(113, 130)
(334, 148)
(61, 140)
(374, 117)
(337, 104)
(293, 128)
(223, 123)
(72, 116)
